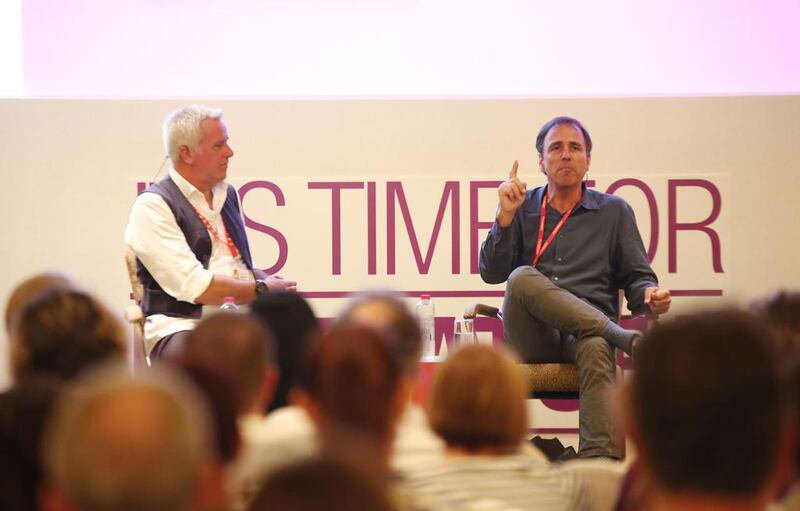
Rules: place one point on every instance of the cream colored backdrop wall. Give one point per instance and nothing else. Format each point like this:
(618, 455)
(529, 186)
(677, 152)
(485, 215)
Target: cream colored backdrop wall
(71, 168)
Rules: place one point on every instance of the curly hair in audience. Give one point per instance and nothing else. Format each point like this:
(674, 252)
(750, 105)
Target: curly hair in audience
(64, 331)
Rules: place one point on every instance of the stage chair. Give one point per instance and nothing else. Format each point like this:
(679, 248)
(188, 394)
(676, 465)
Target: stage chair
(134, 314)
(551, 380)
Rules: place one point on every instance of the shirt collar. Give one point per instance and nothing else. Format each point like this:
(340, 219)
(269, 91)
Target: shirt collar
(189, 190)
(588, 201)
(184, 186)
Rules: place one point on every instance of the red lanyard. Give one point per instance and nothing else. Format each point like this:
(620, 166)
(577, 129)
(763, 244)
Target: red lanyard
(213, 231)
(543, 211)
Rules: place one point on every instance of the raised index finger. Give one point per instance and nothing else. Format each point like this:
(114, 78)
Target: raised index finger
(513, 173)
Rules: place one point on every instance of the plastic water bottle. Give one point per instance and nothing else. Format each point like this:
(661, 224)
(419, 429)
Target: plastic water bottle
(229, 304)
(426, 314)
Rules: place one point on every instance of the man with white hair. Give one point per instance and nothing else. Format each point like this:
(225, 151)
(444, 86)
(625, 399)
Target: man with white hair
(188, 234)
(123, 442)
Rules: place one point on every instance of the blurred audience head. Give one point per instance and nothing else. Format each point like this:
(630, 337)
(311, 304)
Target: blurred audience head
(29, 289)
(353, 393)
(239, 347)
(218, 397)
(706, 408)
(478, 401)
(23, 410)
(293, 327)
(336, 487)
(123, 442)
(781, 311)
(388, 314)
(64, 331)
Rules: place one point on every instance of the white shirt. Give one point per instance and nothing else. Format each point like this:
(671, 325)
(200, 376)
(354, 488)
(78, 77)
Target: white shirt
(287, 435)
(268, 443)
(158, 242)
(415, 443)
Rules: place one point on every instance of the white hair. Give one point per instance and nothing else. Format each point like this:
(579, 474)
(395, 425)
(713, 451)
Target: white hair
(99, 455)
(182, 127)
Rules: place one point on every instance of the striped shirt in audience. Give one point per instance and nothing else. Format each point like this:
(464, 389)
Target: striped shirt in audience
(514, 482)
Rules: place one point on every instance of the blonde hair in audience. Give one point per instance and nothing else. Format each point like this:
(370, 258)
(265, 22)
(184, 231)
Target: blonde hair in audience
(477, 401)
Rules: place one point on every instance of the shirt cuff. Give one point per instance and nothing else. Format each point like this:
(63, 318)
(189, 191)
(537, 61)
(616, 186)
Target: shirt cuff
(499, 233)
(196, 285)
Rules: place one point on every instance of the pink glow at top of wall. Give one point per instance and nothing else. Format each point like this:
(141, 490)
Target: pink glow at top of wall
(302, 48)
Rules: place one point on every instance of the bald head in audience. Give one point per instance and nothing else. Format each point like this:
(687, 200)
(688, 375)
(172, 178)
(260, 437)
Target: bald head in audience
(388, 314)
(126, 443)
(706, 413)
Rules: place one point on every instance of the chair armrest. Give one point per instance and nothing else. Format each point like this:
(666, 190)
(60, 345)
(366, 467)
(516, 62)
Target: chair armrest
(480, 309)
(133, 314)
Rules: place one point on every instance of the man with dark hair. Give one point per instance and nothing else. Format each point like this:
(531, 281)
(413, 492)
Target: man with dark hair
(294, 326)
(565, 250)
(336, 487)
(239, 348)
(384, 312)
(706, 414)
(188, 233)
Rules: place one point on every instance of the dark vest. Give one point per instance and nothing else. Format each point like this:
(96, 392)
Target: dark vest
(155, 300)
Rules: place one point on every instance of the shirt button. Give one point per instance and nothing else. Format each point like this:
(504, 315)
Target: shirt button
(558, 259)
(555, 278)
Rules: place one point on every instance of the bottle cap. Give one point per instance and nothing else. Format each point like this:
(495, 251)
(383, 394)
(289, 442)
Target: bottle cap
(425, 297)
(228, 299)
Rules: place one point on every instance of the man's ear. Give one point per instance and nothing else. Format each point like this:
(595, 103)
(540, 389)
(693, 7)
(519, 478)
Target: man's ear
(541, 164)
(300, 397)
(266, 391)
(404, 394)
(186, 155)
(18, 358)
(50, 499)
(785, 458)
(625, 415)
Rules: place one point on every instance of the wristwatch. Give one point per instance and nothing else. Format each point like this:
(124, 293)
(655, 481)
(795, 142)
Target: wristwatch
(261, 287)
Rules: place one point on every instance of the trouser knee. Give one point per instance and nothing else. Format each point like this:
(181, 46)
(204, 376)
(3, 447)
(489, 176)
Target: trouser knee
(522, 280)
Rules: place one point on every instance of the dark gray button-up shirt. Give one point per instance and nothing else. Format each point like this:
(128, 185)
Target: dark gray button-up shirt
(597, 252)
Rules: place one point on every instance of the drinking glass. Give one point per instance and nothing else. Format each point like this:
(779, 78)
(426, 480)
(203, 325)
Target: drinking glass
(464, 332)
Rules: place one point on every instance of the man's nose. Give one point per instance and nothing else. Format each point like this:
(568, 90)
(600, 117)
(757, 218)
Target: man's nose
(230, 152)
(565, 154)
